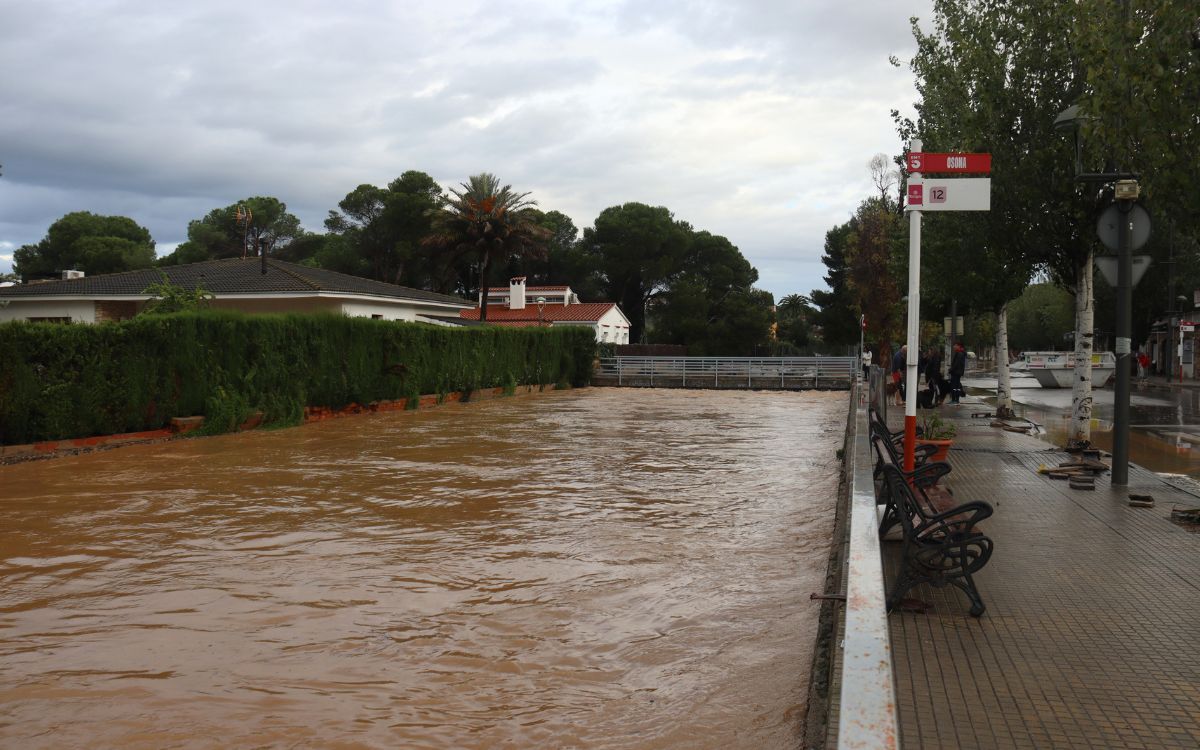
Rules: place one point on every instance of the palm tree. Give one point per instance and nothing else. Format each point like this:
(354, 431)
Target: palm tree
(490, 224)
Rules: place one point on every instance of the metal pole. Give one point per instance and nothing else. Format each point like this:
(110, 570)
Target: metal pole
(914, 322)
(1168, 364)
(1120, 463)
(953, 326)
(862, 327)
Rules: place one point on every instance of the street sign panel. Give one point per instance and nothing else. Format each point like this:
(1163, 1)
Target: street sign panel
(1107, 265)
(959, 194)
(914, 195)
(950, 163)
(1108, 226)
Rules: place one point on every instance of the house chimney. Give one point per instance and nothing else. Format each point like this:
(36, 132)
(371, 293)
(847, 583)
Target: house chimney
(516, 293)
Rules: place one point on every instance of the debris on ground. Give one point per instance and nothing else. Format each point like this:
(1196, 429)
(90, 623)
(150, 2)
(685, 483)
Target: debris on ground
(1140, 501)
(1080, 472)
(1188, 518)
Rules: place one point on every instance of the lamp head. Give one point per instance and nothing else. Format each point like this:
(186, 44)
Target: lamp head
(1068, 119)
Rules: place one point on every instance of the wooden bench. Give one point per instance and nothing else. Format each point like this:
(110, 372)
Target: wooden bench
(938, 547)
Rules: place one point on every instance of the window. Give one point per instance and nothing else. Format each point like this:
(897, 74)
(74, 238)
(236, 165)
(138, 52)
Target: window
(376, 317)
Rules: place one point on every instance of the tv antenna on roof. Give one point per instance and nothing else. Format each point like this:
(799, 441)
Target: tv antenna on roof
(244, 218)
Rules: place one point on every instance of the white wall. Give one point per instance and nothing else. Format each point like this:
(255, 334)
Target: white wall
(84, 311)
(79, 311)
(617, 327)
(387, 311)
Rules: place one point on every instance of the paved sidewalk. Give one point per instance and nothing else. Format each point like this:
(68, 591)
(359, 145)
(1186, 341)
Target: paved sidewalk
(1091, 637)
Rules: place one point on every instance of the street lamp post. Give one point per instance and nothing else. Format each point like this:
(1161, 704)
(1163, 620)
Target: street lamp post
(541, 303)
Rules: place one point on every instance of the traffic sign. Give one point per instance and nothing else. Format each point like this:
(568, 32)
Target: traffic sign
(950, 163)
(1108, 226)
(960, 194)
(1187, 326)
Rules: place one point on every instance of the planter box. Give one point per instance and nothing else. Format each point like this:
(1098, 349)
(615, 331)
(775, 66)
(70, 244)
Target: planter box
(943, 448)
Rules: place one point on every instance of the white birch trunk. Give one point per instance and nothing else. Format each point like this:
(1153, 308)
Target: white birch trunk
(1004, 408)
(1081, 395)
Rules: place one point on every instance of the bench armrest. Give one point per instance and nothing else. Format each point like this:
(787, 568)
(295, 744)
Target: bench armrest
(956, 520)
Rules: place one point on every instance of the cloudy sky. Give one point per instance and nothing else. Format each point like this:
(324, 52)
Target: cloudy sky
(752, 119)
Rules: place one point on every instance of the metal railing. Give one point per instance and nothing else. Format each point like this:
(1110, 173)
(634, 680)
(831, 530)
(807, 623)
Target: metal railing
(731, 372)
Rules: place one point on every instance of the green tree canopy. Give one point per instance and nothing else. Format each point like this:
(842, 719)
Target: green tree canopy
(489, 225)
(87, 242)
(866, 258)
(637, 250)
(794, 316)
(837, 313)
(380, 231)
(1041, 318)
(711, 305)
(238, 230)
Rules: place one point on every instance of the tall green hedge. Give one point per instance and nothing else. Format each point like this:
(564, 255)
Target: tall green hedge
(64, 381)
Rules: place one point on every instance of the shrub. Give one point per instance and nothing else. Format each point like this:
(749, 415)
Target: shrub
(75, 381)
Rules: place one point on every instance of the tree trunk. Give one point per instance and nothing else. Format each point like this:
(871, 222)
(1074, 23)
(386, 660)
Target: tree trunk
(1004, 408)
(1081, 396)
(483, 287)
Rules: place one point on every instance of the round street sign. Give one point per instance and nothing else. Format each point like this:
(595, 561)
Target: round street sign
(1108, 226)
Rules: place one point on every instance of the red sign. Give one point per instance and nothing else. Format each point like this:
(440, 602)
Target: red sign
(916, 195)
(950, 163)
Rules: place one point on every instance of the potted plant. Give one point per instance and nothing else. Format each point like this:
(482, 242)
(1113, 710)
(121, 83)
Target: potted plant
(936, 431)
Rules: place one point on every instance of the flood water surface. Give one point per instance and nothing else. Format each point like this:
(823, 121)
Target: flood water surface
(608, 568)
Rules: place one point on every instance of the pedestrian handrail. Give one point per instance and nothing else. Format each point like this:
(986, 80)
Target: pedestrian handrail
(732, 372)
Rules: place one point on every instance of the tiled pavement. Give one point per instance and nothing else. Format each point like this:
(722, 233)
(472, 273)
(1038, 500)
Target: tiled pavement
(1091, 637)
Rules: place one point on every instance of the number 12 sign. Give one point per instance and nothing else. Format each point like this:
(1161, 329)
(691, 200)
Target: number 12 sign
(958, 194)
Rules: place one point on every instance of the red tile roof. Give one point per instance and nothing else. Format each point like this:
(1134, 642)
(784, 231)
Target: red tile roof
(528, 289)
(585, 312)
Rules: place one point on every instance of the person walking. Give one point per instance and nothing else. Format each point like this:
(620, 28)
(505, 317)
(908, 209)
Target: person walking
(958, 366)
(1143, 362)
(866, 363)
(933, 374)
(899, 364)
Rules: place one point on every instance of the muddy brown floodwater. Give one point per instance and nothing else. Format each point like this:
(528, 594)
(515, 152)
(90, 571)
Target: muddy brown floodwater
(605, 568)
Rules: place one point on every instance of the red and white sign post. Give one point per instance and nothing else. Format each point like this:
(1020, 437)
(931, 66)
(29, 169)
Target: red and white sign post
(915, 198)
(960, 194)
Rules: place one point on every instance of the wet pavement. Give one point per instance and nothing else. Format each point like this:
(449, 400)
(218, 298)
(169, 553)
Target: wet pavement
(1164, 419)
(605, 568)
(1093, 611)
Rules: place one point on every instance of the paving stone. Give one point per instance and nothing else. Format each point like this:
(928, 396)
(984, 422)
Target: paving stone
(1093, 612)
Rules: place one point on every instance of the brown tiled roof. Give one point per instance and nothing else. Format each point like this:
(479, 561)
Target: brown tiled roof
(586, 312)
(230, 276)
(528, 289)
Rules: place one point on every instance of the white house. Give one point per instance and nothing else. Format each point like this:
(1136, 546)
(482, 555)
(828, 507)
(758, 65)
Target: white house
(519, 306)
(244, 284)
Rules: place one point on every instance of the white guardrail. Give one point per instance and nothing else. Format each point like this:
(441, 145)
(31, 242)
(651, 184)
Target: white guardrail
(732, 372)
